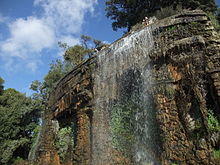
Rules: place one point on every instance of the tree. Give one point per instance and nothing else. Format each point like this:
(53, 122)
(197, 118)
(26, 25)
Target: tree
(73, 56)
(206, 5)
(78, 53)
(84, 40)
(19, 116)
(218, 15)
(1, 85)
(42, 89)
(127, 13)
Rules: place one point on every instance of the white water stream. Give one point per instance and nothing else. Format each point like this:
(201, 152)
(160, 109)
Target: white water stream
(129, 53)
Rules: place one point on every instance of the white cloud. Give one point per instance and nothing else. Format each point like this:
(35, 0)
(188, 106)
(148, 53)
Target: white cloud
(60, 20)
(32, 65)
(69, 40)
(28, 36)
(67, 15)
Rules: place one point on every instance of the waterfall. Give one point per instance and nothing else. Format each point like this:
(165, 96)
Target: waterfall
(122, 119)
(32, 153)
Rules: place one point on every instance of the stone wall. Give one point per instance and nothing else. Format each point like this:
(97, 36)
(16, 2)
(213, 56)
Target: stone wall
(70, 102)
(186, 87)
(185, 67)
(73, 97)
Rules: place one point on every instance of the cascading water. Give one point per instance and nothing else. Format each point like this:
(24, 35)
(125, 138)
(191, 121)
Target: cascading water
(123, 116)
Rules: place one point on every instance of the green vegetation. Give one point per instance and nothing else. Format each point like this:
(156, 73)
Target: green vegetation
(217, 14)
(1, 85)
(72, 56)
(213, 122)
(216, 154)
(214, 20)
(123, 126)
(127, 13)
(167, 11)
(78, 53)
(35, 143)
(195, 24)
(18, 160)
(19, 116)
(64, 141)
(171, 28)
(42, 89)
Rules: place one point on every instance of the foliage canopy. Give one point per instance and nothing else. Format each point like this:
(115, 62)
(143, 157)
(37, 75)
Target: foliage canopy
(127, 13)
(78, 53)
(19, 116)
(1, 85)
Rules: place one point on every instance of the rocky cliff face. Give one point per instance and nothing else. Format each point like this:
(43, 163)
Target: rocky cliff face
(144, 99)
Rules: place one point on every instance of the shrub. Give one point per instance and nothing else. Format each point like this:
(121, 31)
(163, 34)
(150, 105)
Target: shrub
(213, 123)
(216, 154)
(123, 125)
(64, 141)
(167, 11)
(214, 21)
(20, 161)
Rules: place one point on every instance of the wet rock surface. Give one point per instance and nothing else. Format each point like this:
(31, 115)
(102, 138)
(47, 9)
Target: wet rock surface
(182, 61)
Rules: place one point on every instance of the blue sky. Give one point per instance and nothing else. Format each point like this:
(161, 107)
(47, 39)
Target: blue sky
(30, 30)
